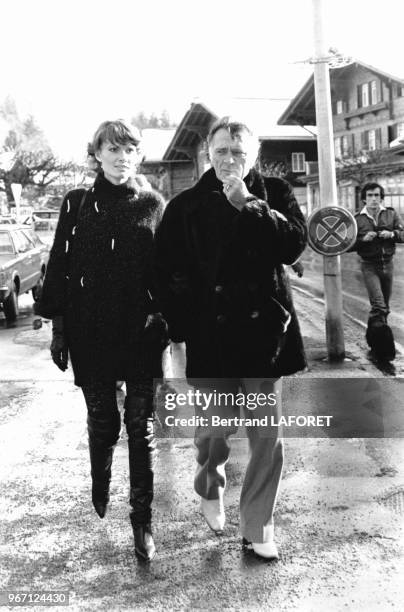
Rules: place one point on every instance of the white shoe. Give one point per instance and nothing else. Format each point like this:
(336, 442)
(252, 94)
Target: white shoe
(213, 511)
(267, 550)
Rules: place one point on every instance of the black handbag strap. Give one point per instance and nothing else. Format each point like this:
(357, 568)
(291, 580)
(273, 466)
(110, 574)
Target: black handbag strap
(80, 208)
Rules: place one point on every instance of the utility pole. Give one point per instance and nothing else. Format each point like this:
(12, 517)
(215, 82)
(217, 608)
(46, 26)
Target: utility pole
(328, 185)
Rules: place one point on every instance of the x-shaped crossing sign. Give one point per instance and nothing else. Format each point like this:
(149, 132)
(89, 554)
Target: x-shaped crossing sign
(332, 230)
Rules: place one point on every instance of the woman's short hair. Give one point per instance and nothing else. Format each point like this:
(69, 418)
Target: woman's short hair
(116, 132)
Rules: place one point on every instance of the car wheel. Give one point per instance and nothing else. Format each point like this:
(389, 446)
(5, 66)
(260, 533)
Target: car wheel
(10, 305)
(37, 290)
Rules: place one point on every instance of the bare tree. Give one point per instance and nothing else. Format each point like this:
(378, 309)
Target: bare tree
(40, 169)
(25, 155)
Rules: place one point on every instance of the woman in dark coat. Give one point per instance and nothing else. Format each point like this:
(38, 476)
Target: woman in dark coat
(220, 254)
(97, 293)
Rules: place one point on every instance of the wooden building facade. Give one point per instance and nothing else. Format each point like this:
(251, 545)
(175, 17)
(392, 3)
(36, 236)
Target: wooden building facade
(368, 122)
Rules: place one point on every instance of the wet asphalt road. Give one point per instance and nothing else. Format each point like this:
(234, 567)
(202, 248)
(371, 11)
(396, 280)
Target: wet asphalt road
(339, 518)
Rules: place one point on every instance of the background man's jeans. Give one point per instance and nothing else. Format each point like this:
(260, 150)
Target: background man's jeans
(378, 279)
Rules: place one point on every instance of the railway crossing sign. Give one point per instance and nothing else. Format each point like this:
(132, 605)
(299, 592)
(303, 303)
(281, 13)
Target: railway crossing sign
(332, 230)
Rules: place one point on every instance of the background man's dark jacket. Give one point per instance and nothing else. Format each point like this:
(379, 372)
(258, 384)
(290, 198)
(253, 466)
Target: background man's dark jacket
(378, 249)
(221, 280)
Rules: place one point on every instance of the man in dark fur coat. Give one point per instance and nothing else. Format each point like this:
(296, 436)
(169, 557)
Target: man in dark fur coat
(220, 255)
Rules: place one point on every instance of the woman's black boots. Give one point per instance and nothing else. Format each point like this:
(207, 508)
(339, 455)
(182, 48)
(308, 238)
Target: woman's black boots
(103, 434)
(139, 420)
(101, 461)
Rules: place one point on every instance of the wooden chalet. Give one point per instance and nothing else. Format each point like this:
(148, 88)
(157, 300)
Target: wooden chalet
(368, 121)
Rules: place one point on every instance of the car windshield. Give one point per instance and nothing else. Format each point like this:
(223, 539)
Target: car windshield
(6, 245)
(35, 239)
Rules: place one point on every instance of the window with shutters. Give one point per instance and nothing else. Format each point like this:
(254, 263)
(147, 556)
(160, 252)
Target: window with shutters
(373, 92)
(372, 140)
(344, 146)
(398, 90)
(365, 94)
(368, 94)
(337, 148)
(340, 107)
(298, 162)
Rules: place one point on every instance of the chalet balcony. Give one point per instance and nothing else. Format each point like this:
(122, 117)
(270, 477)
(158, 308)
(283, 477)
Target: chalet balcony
(364, 110)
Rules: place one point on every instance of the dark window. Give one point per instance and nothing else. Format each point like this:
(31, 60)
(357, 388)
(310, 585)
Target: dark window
(392, 132)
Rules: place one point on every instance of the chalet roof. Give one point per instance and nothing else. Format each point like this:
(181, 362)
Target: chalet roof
(259, 114)
(155, 142)
(301, 110)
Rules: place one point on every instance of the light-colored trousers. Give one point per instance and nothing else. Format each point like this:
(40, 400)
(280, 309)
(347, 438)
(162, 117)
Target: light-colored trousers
(264, 469)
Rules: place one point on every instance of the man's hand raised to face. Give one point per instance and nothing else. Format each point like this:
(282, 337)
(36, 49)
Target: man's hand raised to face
(235, 191)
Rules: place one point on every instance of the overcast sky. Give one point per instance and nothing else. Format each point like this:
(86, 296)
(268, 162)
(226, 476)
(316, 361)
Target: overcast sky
(74, 63)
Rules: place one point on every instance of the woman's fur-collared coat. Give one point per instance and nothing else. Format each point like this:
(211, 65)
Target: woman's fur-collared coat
(221, 279)
(98, 279)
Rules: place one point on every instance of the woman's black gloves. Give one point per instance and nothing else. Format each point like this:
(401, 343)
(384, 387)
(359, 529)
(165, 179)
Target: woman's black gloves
(156, 332)
(58, 347)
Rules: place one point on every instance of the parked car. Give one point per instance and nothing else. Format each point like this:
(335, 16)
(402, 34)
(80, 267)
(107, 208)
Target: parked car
(44, 222)
(7, 219)
(44, 219)
(23, 260)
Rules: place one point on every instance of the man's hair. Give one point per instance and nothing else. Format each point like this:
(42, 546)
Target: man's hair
(228, 123)
(116, 132)
(371, 187)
